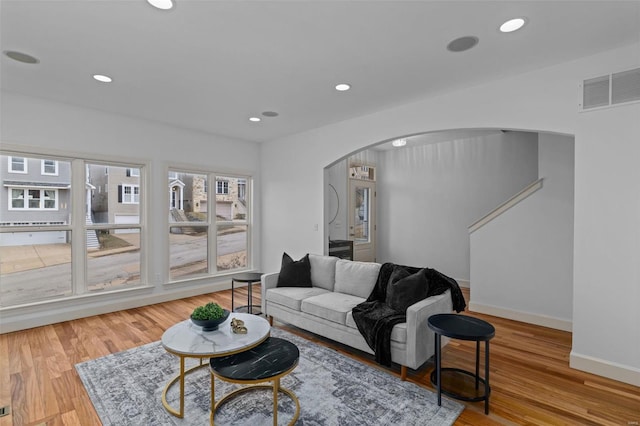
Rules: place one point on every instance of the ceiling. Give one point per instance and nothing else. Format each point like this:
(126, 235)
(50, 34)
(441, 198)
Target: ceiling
(210, 65)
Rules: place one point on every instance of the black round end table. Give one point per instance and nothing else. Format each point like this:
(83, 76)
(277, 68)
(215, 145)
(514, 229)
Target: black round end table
(249, 278)
(462, 327)
(268, 362)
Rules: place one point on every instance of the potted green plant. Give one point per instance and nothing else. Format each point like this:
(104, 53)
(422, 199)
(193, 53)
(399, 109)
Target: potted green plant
(209, 316)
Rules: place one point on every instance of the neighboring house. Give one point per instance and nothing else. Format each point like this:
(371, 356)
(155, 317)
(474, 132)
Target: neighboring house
(35, 192)
(116, 196)
(189, 193)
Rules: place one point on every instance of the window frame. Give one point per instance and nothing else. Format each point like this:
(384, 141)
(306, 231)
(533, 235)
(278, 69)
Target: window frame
(212, 224)
(25, 165)
(43, 165)
(134, 194)
(222, 187)
(76, 226)
(26, 197)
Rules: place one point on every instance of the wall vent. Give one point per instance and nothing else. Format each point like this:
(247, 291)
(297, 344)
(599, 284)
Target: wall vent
(608, 90)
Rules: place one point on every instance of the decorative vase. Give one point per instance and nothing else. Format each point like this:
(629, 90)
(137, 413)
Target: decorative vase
(211, 324)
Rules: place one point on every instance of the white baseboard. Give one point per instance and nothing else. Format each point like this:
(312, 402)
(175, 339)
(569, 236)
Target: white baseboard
(529, 318)
(464, 283)
(601, 367)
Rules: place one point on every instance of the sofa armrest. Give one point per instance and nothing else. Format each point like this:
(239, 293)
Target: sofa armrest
(420, 339)
(267, 281)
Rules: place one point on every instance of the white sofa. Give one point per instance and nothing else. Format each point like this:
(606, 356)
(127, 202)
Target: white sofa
(325, 308)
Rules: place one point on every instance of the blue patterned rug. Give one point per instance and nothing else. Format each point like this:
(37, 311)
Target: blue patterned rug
(125, 389)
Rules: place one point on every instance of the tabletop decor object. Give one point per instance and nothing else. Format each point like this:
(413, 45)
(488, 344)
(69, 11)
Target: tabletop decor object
(209, 316)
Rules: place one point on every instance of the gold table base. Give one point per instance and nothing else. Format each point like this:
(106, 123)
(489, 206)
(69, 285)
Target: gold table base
(275, 386)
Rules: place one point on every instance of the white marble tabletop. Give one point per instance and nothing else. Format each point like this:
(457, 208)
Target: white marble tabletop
(186, 338)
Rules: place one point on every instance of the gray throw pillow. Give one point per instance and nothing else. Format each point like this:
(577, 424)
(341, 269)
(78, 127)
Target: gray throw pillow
(294, 273)
(405, 289)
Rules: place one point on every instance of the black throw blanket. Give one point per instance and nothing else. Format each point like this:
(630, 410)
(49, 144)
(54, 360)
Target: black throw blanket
(375, 319)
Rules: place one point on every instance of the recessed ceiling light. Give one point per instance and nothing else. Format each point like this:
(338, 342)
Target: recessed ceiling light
(161, 4)
(343, 87)
(102, 78)
(399, 142)
(512, 25)
(270, 113)
(462, 43)
(255, 119)
(21, 57)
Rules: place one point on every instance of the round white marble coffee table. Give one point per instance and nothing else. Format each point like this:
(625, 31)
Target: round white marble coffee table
(187, 340)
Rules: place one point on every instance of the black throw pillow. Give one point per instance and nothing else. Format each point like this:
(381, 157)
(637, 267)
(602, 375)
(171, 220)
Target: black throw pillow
(295, 273)
(405, 289)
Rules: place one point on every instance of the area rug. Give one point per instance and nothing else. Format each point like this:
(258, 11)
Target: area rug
(125, 389)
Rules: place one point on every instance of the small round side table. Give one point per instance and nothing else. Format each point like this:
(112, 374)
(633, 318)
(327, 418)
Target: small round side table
(250, 278)
(462, 327)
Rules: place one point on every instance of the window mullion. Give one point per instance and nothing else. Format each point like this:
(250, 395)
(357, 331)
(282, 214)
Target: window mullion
(212, 233)
(78, 227)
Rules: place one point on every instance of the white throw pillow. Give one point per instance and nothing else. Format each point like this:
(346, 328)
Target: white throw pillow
(356, 278)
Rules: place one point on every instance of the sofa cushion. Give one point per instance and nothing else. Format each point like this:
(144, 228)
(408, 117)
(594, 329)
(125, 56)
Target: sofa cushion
(398, 332)
(356, 278)
(323, 271)
(291, 297)
(404, 289)
(294, 273)
(331, 306)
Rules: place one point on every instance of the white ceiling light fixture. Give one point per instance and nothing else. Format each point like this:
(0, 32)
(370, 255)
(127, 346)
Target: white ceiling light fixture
(255, 119)
(161, 4)
(399, 142)
(343, 87)
(513, 25)
(102, 78)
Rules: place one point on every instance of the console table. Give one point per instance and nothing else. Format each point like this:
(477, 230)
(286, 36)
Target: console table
(462, 327)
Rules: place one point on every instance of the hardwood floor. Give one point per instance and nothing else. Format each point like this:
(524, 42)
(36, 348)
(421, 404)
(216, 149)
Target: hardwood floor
(531, 381)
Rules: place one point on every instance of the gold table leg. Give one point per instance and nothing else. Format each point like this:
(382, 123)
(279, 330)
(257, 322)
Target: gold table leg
(179, 413)
(275, 387)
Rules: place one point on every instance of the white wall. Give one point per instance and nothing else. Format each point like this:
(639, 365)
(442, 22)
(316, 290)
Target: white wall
(30, 122)
(606, 289)
(541, 100)
(522, 261)
(429, 194)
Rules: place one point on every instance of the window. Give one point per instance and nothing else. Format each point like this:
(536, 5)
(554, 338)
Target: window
(130, 194)
(49, 167)
(37, 212)
(200, 243)
(33, 199)
(17, 165)
(133, 172)
(222, 187)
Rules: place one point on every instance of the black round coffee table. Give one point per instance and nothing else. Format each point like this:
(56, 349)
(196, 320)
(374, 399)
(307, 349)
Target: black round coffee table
(462, 327)
(268, 362)
(249, 278)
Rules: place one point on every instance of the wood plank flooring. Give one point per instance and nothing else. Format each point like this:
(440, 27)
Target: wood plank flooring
(531, 381)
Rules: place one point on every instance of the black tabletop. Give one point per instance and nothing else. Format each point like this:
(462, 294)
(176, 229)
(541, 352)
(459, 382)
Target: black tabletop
(271, 358)
(461, 327)
(247, 277)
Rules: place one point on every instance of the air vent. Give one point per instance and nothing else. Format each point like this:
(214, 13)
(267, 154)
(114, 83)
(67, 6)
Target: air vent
(612, 89)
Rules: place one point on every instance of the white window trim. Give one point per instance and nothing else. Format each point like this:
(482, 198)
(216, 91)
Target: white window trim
(133, 172)
(223, 182)
(43, 169)
(24, 162)
(132, 195)
(26, 199)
